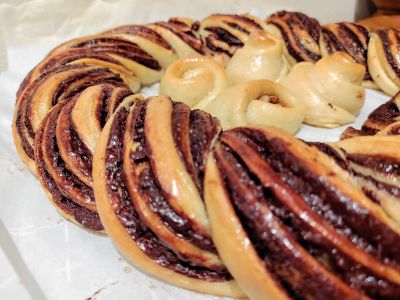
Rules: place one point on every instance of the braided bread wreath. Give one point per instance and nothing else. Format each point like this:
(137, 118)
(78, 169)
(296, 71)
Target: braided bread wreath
(284, 218)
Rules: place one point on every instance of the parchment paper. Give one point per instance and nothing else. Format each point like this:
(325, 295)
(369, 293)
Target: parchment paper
(41, 254)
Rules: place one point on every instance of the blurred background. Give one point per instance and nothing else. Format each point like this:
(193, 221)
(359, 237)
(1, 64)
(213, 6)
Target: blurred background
(28, 22)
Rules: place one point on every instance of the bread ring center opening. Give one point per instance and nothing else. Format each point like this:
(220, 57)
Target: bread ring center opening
(269, 98)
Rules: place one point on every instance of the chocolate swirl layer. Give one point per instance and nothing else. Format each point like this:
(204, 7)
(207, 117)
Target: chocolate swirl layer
(80, 57)
(300, 35)
(49, 88)
(177, 35)
(383, 59)
(289, 225)
(373, 165)
(182, 34)
(224, 34)
(127, 51)
(64, 150)
(346, 37)
(384, 120)
(148, 173)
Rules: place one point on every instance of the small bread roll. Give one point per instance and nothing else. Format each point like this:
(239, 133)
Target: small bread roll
(262, 57)
(258, 102)
(195, 81)
(383, 59)
(331, 89)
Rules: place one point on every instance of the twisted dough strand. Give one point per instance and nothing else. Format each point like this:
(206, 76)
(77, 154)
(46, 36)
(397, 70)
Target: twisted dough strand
(196, 81)
(278, 207)
(330, 89)
(262, 57)
(384, 60)
(157, 228)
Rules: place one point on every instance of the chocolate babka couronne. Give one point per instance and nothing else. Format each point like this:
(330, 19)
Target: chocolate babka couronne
(148, 180)
(289, 224)
(64, 146)
(288, 220)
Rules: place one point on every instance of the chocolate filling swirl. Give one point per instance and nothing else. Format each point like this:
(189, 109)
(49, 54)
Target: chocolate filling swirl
(311, 236)
(300, 33)
(119, 195)
(347, 37)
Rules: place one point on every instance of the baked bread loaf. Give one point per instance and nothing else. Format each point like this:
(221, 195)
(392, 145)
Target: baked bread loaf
(148, 180)
(330, 89)
(196, 81)
(289, 220)
(288, 223)
(262, 57)
(258, 102)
